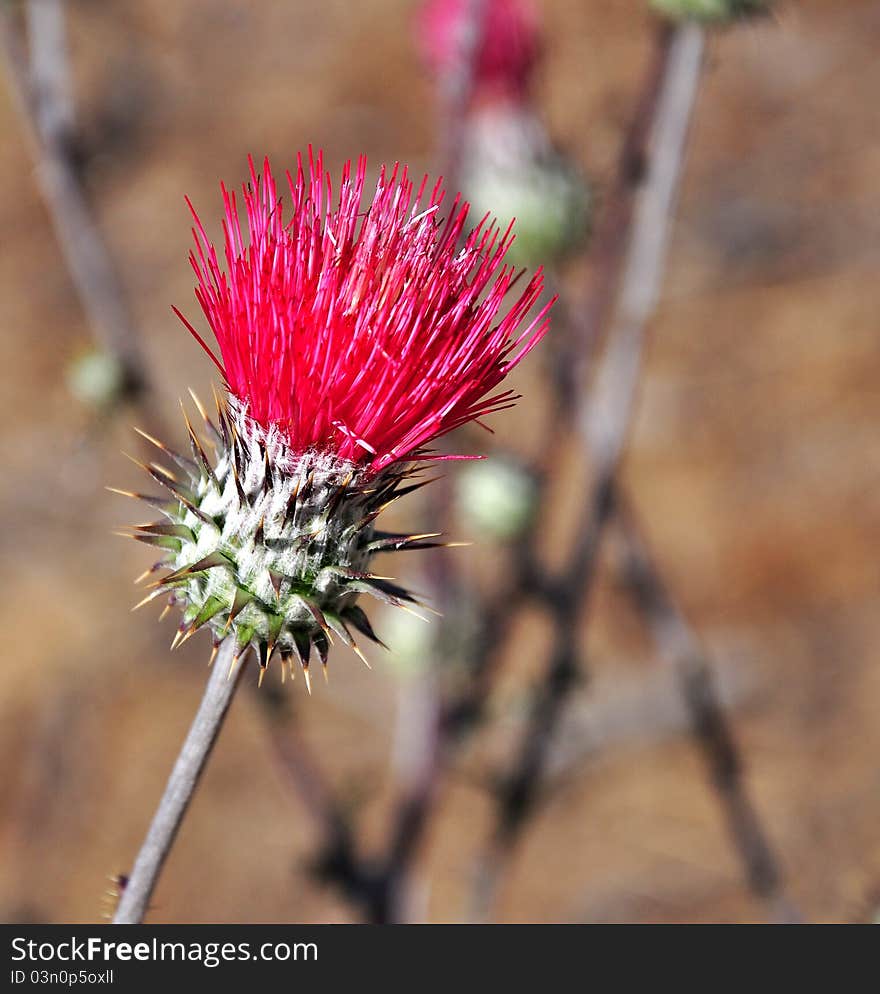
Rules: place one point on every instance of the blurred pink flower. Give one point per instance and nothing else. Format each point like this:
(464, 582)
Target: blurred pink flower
(508, 47)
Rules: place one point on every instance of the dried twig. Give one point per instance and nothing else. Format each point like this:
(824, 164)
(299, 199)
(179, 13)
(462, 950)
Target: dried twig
(44, 106)
(456, 88)
(459, 712)
(606, 421)
(50, 68)
(524, 578)
(585, 321)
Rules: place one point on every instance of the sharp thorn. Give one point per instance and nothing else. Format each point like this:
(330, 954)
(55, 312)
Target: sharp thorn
(123, 493)
(211, 561)
(187, 635)
(240, 601)
(287, 662)
(147, 599)
(150, 438)
(199, 406)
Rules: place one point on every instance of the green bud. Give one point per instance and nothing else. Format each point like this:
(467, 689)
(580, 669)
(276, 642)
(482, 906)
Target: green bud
(96, 379)
(268, 546)
(510, 169)
(496, 497)
(550, 202)
(709, 10)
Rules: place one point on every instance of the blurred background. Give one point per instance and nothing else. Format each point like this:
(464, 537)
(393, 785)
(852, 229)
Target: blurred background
(687, 731)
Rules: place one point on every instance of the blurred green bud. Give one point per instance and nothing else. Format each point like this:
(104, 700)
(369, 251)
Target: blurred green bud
(96, 378)
(510, 169)
(549, 201)
(709, 10)
(496, 497)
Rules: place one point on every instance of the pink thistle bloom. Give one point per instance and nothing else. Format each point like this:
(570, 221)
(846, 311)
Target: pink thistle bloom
(349, 340)
(508, 50)
(363, 333)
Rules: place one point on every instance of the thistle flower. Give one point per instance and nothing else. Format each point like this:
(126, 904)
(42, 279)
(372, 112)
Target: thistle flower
(349, 341)
(508, 51)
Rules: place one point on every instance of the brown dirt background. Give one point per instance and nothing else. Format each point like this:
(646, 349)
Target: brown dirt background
(754, 462)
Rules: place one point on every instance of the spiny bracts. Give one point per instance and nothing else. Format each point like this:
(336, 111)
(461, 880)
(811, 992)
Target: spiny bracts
(346, 347)
(268, 545)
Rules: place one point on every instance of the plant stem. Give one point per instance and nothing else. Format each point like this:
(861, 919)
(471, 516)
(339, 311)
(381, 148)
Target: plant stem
(456, 89)
(181, 786)
(37, 75)
(605, 419)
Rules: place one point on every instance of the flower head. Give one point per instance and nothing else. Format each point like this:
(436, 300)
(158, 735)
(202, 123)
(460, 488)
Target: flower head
(363, 332)
(349, 340)
(509, 43)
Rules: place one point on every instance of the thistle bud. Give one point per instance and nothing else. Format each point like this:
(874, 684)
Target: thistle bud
(509, 166)
(496, 498)
(511, 169)
(709, 10)
(509, 44)
(96, 379)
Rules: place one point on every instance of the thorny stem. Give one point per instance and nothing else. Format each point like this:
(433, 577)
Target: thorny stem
(461, 711)
(608, 243)
(607, 420)
(180, 788)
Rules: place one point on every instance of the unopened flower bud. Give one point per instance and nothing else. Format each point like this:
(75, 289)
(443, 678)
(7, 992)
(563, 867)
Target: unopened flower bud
(496, 497)
(96, 379)
(510, 169)
(709, 10)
